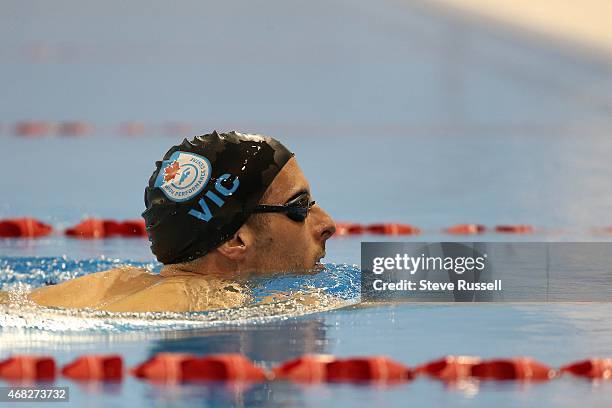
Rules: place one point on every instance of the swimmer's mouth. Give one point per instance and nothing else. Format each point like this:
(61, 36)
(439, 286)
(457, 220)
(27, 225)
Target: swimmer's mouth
(318, 264)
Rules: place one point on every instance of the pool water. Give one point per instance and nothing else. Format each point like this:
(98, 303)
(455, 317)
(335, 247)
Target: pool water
(412, 333)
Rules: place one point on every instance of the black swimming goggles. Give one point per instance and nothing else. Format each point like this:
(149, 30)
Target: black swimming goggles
(296, 209)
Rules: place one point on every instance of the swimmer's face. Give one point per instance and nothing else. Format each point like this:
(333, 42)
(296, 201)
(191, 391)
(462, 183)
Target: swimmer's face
(280, 243)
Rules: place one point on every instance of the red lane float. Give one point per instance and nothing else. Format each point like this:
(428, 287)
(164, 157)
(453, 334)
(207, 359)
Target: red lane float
(228, 367)
(377, 368)
(94, 228)
(95, 367)
(167, 367)
(23, 367)
(176, 367)
(129, 228)
(308, 368)
(132, 129)
(33, 129)
(133, 228)
(177, 128)
(520, 368)
(449, 368)
(23, 228)
(90, 228)
(74, 129)
(596, 368)
(348, 228)
(465, 229)
(111, 228)
(515, 229)
(392, 229)
(318, 368)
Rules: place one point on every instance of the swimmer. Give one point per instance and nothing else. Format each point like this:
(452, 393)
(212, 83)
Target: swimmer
(220, 208)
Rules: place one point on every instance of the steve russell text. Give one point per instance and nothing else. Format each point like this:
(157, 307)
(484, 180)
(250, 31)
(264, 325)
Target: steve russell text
(427, 285)
(413, 264)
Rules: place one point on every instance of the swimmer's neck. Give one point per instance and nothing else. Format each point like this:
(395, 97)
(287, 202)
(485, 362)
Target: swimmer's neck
(210, 265)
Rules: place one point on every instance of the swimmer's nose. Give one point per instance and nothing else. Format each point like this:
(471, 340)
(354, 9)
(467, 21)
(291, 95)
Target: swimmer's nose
(325, 226)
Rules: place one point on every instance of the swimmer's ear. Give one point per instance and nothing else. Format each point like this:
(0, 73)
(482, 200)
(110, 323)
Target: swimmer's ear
(236, 247)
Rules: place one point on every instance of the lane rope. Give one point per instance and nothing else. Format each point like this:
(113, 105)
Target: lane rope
(309, 368)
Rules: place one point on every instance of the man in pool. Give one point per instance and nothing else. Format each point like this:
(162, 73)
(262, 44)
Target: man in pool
(219, 209)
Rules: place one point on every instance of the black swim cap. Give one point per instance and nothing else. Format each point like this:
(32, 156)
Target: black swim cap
(201, 193)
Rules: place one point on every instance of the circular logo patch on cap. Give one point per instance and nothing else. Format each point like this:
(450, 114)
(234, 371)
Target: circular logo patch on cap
(183, 176)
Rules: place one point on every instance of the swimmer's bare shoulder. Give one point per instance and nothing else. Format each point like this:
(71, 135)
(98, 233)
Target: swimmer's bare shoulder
(93, 289)
(182, 294)
(160, 297)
